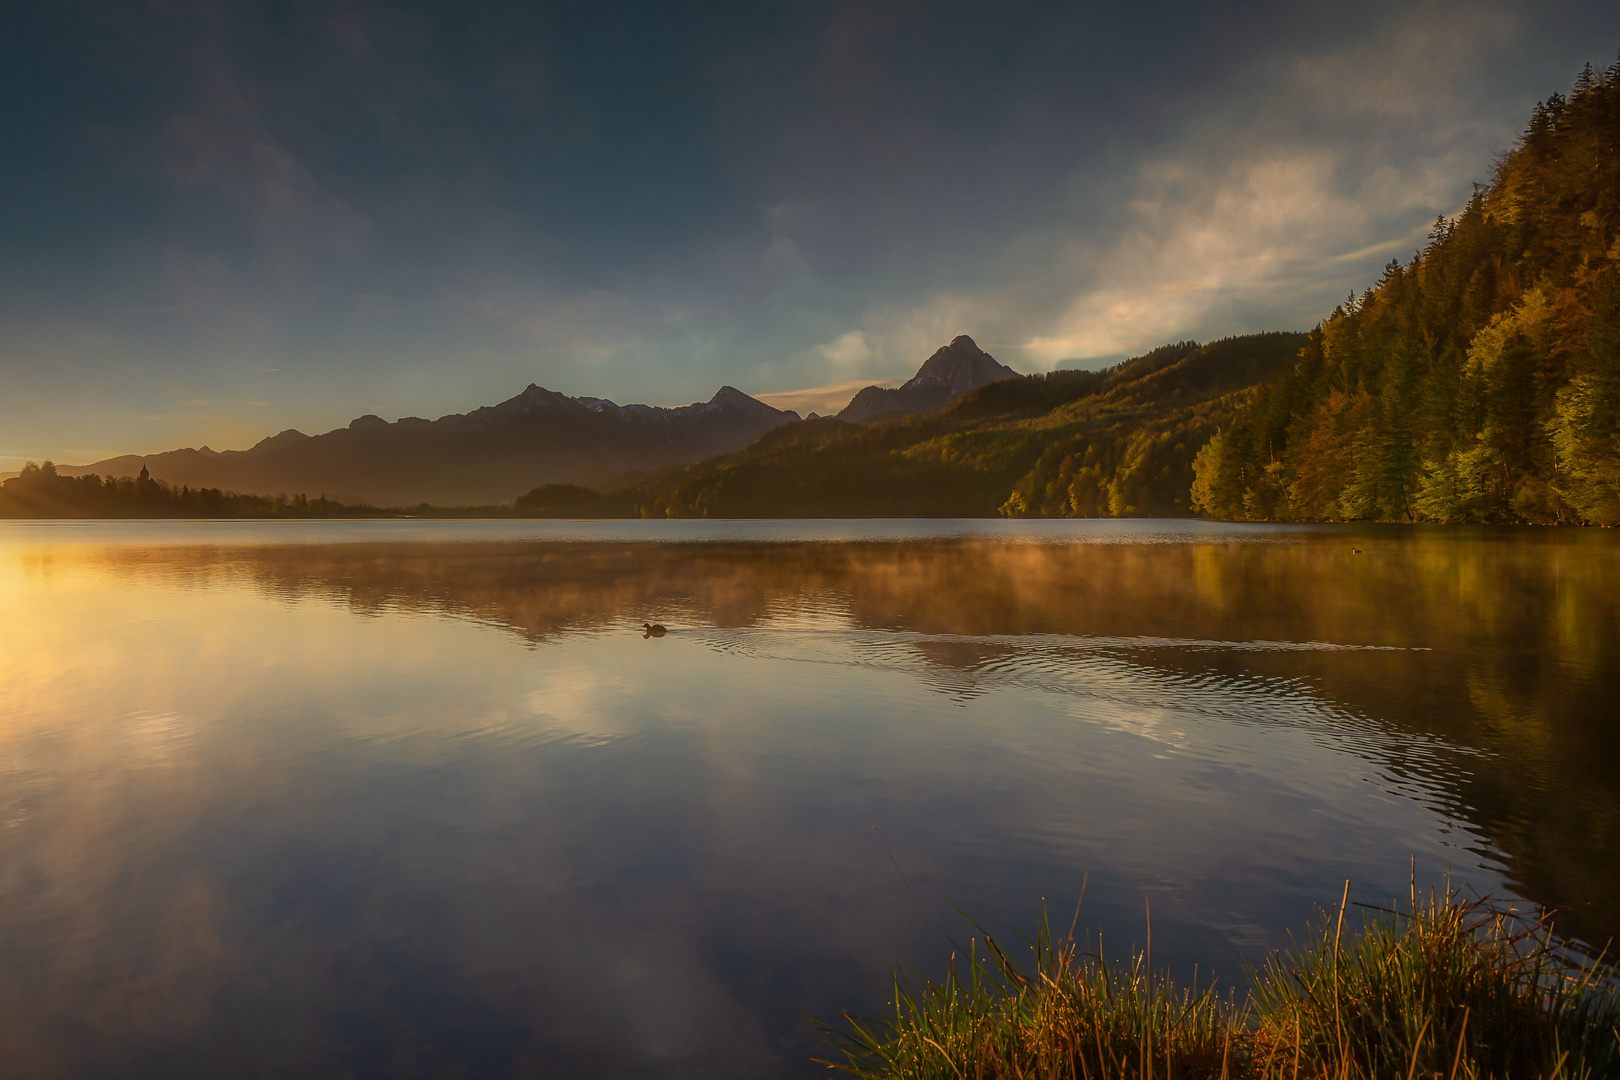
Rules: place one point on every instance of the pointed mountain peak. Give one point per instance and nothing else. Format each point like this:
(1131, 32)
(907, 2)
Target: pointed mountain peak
(281, 439)
(960, 366)
(533, 398)
(730, 394)
(729, 397)
(953, 370)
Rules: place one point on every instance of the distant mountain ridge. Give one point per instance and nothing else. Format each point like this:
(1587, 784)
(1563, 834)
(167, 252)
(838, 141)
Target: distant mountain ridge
(1122, 439)
(952, 371)
(489, 455)
(540, 437)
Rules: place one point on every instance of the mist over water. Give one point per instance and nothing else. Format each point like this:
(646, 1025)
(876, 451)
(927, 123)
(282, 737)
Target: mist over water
(419, 799)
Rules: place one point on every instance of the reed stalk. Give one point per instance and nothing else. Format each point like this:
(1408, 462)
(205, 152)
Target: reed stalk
(1450, 988)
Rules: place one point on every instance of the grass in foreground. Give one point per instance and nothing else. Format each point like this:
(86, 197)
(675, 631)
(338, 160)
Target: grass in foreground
(1452, 988)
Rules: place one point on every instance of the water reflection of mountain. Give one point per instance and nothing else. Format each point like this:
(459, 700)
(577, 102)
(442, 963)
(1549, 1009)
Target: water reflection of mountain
(1489, 685)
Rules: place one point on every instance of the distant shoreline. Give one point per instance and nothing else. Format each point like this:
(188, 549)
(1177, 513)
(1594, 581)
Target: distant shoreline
(473, 514)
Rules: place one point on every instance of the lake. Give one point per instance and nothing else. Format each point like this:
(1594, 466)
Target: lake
(419, 799)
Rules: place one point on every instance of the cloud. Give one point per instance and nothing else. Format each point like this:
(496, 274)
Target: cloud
(823, 400)
(1407, 71)
(848, 350)
(225, 147)
(348, 28)
(287, 211)
(549, 325)
(425, 211)
(1271, 200)
(1268, 215)
(1234, 235)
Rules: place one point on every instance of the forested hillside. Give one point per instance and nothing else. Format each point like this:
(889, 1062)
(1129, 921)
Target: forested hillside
(1083, 443)
(1479, 382)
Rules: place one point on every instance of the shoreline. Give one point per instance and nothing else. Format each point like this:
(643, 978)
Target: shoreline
(1450, 987)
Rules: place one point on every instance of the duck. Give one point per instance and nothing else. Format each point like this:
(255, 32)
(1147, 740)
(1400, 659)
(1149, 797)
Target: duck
(653, 630)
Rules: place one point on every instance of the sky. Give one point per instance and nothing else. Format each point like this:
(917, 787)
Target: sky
(221, 220)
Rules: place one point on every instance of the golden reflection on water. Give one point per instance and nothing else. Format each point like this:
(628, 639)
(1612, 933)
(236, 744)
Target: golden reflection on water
(314, 705)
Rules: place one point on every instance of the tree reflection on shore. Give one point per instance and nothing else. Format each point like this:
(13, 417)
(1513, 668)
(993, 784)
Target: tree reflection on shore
(1503, 636)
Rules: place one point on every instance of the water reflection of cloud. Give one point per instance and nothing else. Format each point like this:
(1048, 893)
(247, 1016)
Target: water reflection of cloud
(582, 701)
(490, 806)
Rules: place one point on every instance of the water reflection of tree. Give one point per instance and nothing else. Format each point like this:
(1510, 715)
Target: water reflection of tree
(1503, 638)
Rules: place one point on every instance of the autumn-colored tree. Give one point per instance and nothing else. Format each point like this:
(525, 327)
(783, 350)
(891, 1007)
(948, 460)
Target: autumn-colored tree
(1480, 381)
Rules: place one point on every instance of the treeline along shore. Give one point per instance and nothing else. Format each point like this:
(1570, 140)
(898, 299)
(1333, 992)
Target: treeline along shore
(40, 492)
(1478, 382)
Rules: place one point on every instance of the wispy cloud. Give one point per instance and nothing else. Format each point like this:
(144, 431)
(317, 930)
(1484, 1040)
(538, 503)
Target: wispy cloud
(417, 212)
(1276, 198)
(225, 147)
(822, 400)
(226, 150)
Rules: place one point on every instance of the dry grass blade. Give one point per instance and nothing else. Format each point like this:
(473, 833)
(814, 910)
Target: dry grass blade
(1452, 988)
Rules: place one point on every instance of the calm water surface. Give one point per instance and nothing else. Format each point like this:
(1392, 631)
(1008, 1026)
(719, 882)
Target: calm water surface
(417, 799)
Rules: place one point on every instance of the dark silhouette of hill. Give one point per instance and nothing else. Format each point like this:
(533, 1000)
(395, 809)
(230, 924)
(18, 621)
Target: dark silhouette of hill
(952, 371)
(41, 491)
(487, 456)
(561, 500)
(1480, 381)
(1132, 429)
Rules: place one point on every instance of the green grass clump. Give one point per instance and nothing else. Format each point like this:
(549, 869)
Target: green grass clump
(1452, 988)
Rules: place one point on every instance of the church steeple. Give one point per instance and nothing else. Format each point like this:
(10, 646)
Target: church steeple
(145, 476)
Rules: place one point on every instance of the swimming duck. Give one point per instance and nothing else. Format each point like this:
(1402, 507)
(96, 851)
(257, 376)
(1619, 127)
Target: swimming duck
(653, 630)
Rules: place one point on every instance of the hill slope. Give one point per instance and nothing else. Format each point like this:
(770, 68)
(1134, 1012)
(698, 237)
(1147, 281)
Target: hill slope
(1085, 443)
(1479, 382)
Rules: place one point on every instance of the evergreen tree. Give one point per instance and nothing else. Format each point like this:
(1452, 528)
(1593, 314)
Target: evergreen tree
(1479, 382)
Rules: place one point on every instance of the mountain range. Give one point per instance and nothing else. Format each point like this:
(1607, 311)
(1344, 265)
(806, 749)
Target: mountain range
(489, 455)
(1480, 382)
(540, 437)
(1130, 432)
